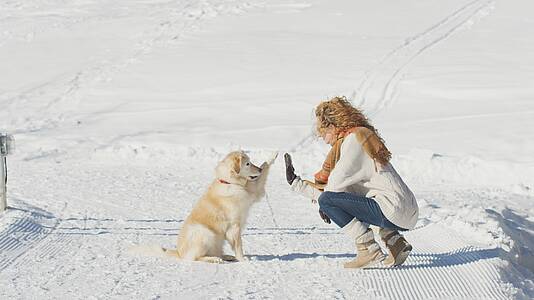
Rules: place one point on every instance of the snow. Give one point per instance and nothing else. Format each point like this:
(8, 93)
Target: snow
(121, 109)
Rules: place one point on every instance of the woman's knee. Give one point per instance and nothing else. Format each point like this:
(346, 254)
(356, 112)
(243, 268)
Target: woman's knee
(325, 200)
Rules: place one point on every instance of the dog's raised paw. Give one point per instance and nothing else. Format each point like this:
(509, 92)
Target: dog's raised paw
(272, 157)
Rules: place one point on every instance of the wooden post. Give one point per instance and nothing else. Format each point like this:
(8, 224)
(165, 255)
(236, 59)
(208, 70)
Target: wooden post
(3, 188)
(7, 144)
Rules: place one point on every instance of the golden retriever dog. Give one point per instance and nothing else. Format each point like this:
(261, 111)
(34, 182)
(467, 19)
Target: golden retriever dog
(221, 213)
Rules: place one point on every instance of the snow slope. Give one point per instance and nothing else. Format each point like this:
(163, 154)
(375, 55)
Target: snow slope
(121, 110)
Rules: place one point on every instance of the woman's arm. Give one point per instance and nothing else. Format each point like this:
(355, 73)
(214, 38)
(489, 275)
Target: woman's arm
(353, 166)
(304, 188)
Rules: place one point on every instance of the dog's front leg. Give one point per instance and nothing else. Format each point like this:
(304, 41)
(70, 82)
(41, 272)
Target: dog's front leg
(265, 166)
(259, 184)
(233, 236)
(264, 173)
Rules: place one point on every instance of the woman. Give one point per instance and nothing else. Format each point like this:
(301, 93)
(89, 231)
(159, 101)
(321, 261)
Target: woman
(357, 185)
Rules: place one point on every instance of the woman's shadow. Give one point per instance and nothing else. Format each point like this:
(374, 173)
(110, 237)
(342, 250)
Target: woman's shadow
(460, 256)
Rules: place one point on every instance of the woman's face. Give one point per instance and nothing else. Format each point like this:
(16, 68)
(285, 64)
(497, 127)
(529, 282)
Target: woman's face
(329, 135)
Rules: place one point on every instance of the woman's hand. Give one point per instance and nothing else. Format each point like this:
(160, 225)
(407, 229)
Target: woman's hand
(290, 171)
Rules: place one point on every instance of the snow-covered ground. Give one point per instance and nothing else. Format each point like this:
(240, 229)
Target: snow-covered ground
(121, 110)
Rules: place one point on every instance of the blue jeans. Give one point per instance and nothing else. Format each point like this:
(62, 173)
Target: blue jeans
(343, 207)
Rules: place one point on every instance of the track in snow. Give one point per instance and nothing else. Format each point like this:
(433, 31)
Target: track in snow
(48, 104)
(379, 85)
(23, 234)
(298, 257)
(441, 265)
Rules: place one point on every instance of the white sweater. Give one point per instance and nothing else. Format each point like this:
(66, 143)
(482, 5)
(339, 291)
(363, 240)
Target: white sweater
(356, 172)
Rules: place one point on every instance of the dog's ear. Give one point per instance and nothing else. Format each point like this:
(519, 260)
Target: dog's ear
(236, 163)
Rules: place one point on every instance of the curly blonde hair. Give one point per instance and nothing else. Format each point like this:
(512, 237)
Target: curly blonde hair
(340, 113)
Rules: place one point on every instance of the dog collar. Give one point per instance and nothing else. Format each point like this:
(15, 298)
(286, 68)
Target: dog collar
(224, 182)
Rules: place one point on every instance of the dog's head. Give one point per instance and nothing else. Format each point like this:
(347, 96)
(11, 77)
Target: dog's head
(237, 168)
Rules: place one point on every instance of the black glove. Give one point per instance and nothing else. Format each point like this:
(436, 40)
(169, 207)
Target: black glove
(290, 171)
(325, 218)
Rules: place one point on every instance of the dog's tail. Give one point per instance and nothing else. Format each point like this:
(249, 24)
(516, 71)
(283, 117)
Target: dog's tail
(154, 251)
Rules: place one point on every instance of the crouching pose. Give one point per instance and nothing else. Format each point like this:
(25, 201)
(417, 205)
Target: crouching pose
(357, 186)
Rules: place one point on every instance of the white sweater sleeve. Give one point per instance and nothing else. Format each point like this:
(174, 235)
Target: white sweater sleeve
(302, 187)
(352, 167)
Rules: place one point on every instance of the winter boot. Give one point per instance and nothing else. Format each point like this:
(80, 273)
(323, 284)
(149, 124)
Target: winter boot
(398, 247)
(369, 252)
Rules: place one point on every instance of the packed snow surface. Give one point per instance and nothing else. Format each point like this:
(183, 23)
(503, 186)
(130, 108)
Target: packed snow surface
(121, 110)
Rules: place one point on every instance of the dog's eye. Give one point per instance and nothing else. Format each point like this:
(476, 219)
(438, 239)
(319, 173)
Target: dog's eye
(247, 164)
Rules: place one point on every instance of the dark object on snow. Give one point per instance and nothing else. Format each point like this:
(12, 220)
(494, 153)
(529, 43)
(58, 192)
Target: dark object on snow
(325, 218)
(290, 171)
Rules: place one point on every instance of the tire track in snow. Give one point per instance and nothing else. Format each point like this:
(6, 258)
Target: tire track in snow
(22, 235)
(385, 76)
(33, 231)
(35, 239)
(441, 266)
(39, 236)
